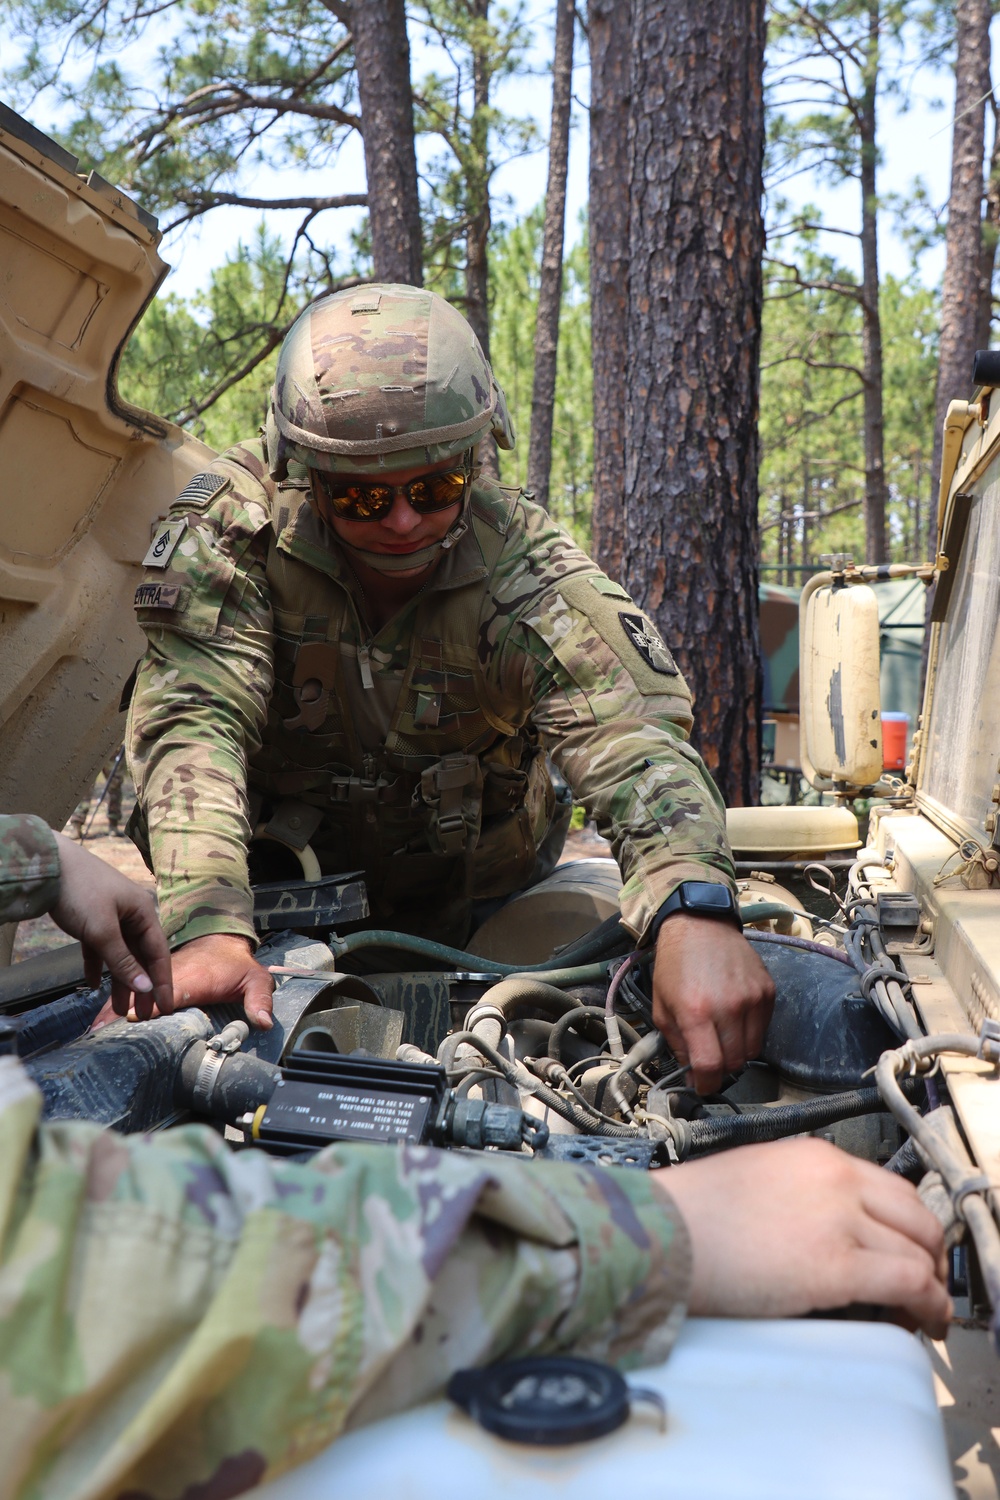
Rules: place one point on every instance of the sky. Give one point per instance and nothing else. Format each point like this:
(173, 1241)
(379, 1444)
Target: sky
(915, 142)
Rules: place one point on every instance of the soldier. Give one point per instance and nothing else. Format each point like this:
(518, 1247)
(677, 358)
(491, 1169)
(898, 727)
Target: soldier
(176, 1318)
(356, 641)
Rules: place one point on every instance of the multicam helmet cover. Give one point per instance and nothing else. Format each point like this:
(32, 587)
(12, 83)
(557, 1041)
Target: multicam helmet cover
(381, 377)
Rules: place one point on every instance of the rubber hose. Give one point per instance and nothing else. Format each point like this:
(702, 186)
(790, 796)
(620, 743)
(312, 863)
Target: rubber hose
(597, 944)
(578, 1117)
(774, 1124)
(553, 970)
(242, 1083)
(516, 994)
(582, 1013)
(785, 940)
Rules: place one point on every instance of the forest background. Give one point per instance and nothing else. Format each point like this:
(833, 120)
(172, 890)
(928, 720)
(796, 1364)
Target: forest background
(239, 124)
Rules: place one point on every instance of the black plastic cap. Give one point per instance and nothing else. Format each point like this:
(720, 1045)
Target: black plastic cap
(986, 367)
(555, 1399)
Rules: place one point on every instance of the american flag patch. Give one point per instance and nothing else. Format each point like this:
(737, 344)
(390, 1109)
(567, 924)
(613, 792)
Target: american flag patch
(201, 489)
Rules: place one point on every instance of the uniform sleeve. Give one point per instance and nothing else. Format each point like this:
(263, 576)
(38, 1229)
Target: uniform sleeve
(614, 712)
(29, 868)
(199, 702)
(177, 1318)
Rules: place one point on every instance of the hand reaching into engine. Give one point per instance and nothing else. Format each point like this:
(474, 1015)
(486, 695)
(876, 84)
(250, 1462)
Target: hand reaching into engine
(116, 923)
(712, 996)
(218, 969)
(798, 1226)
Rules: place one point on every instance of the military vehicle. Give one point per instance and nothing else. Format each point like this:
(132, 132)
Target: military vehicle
(537, 1039)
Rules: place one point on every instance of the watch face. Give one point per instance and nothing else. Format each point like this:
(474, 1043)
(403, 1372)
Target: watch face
(699, 895)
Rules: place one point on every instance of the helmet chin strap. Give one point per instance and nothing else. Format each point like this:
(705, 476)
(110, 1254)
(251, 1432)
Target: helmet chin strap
(396, 562)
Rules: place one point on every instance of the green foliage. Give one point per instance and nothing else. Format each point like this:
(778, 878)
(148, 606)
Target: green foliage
(515, 263)
(811, 410)
(184, 355)
(176, 102)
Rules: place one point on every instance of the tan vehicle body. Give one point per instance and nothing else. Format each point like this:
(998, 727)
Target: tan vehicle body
(939, 839)
(78, 265)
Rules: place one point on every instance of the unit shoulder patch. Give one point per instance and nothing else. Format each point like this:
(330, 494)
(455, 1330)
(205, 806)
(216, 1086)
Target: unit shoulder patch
(648, 643)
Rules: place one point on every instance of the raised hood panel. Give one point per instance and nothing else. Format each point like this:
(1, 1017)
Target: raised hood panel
(83, 477)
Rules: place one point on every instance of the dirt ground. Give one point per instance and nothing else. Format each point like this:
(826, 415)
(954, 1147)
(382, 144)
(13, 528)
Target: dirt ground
(42, 934)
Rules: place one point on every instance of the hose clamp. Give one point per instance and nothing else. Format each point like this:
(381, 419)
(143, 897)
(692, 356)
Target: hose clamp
(204, 1084)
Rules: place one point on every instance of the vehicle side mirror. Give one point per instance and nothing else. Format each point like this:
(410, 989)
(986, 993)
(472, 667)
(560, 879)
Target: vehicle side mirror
(839, 699)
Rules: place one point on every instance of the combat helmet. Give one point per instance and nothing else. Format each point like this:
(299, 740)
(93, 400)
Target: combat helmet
(381, 377)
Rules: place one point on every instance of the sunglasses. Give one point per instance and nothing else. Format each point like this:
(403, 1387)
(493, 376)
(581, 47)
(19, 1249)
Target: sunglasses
(360, 500)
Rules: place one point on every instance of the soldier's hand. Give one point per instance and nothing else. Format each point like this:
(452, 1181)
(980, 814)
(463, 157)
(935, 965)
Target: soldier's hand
(712, 996)
(798, 1226)
(220, 970)
(116, 923)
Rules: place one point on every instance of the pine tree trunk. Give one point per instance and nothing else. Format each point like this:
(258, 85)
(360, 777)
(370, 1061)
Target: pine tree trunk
(543, 392)
(609, 23)
(477, 281)
(990, 236)
(876, 493)
(382, 57)
(960, 290)
(691, 377)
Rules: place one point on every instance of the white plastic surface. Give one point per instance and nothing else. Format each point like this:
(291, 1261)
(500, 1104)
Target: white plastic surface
(801, 1410)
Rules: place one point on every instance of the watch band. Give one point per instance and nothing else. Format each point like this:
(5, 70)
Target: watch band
(699, 898)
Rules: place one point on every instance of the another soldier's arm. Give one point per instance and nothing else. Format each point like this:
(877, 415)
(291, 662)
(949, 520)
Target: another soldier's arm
(169, 1286)
(114, 919)
(615, 716)
(177, 1318)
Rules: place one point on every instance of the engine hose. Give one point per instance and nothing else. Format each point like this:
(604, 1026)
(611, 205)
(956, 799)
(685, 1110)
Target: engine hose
(520, 1078)
(552, 971)
(512, 996)
(699, 1137)
(573, 1018)
(785, 940)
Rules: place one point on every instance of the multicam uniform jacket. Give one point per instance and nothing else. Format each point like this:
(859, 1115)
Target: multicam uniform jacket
(177, 1319)
(416, 752)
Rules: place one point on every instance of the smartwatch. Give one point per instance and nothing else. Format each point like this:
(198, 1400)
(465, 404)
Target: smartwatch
(699, 898)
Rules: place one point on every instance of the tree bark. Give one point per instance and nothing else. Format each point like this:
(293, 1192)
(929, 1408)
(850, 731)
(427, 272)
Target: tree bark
(477, 283)
(543, 391)
(990, 236)
(876, 492)
(609, 23)
(382, 58)
(696, 237)
(964, 239)
(960, 289)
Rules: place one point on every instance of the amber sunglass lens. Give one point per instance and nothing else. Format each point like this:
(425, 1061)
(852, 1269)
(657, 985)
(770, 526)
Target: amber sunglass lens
(358, 502)
(436, 491)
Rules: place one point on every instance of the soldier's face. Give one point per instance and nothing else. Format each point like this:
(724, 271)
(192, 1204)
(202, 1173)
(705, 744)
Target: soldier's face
(402, 529)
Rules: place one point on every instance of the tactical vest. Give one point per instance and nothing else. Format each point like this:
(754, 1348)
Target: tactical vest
(457, 800)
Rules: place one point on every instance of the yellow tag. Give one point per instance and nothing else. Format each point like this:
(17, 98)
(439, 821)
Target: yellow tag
(164, 544)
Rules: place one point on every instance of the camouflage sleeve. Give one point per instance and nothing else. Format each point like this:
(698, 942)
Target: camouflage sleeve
(180, 1319)
(199, 702)
(615, 713)
(29, 867)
